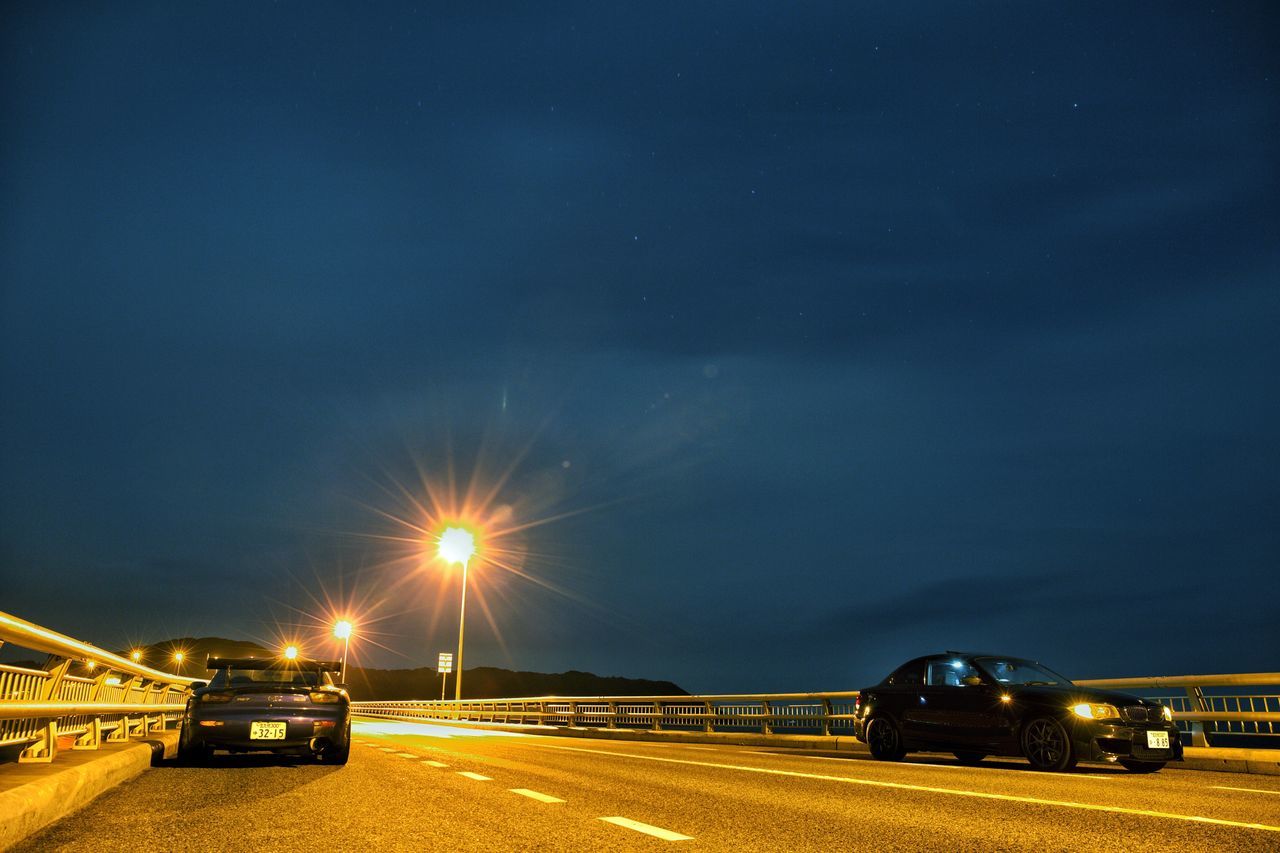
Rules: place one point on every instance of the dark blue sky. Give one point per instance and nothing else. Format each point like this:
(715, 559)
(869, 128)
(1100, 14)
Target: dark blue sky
(841, 334)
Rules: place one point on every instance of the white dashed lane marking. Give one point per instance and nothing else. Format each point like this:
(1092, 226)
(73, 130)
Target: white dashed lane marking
(655, 831)
(476, 776)
(534, 795)
(1250, 790)
(406, 755)
(431, 763)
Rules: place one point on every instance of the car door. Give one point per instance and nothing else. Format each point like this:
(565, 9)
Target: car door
(952, 710)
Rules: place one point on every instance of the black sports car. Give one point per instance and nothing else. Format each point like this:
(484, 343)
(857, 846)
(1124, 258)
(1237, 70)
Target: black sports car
(284, 706)
(975, 705)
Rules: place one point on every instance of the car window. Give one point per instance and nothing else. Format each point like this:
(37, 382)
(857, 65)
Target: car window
(949, 672)
(250, 677)
(909, 675)
(1017, 671)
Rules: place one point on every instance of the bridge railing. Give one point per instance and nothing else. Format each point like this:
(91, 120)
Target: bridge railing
(117, 699)
(1249, 715)
(825, 713)
(1238, 709)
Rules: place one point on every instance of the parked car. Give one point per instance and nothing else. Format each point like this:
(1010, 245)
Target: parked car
(275, 704)
(975, 705)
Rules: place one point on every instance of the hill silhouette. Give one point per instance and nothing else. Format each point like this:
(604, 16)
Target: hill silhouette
(367, 684)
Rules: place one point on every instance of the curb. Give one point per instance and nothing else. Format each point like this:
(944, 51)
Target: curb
(29, 808)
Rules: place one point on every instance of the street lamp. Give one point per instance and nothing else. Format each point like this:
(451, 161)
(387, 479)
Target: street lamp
(291, 652)
(342, 631)
(178, 657)
(137, 655)
(458, 545)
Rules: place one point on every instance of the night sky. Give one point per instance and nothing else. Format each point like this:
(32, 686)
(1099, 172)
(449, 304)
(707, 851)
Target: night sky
(776, 343)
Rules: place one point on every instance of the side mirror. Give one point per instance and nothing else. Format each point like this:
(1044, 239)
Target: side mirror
(197, 685)
(971, 681)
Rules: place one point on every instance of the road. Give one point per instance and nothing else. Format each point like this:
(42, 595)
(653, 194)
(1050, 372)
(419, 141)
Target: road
(411, 786)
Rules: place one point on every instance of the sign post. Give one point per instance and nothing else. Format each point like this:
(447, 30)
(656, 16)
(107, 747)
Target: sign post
(444, 666)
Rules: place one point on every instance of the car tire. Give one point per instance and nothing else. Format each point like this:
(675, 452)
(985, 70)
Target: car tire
(969, 758)
(191, 754)
(884, 739)
(1046, 744)
(1134, 766)
(338, 754)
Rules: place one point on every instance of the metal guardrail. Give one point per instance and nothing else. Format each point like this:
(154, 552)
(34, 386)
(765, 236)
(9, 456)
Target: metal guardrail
(120, 700)
(1206, 709)
(1199, 711)
(755, 712)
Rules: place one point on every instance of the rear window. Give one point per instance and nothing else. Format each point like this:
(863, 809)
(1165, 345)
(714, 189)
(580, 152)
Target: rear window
(274, 677)
(910, 675)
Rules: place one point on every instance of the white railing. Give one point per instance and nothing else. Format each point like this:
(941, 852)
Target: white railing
(118, 700)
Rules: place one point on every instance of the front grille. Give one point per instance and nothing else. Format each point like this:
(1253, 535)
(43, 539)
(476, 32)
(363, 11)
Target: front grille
(1140, 713)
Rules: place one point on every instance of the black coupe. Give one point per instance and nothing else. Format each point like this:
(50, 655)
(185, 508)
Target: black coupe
(975, 705)
(281, 705)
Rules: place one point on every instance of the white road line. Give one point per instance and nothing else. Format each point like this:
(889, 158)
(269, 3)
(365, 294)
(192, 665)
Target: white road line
(955, 792)
(534, 795)
(435, 763)
(991, 768)
(387, 748)
(655, 831)
(406, 755)
(475, 776)
(1250, 790)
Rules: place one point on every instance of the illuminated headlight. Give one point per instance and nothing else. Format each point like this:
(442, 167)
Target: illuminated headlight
(325, 698)
(1096, 712)
(1167, 713)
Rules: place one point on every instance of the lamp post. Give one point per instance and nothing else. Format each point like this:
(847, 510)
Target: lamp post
(458, 545)
(342, 631)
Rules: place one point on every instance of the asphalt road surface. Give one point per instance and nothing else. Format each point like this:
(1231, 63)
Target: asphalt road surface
(418, 787)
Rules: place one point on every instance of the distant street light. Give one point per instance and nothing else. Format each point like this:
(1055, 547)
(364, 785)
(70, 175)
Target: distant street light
(458, 545)
(178, 657)
(342, 631)
(291, 652)
(137, 655)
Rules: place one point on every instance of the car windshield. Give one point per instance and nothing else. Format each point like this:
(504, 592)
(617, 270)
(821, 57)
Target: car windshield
(1016, 671)
(274, 677)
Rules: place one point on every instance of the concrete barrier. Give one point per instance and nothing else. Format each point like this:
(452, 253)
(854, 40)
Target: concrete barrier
(54, 791)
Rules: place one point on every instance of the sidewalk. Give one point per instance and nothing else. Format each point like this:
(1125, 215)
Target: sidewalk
(32, 796)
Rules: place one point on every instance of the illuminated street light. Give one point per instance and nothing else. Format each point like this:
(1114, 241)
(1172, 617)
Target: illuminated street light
(178, 658)
(458, 545)
(137, 655)
(291, 652)
(342, 631)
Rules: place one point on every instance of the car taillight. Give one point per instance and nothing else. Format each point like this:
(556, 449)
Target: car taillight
(216, 697)
(857, 704)
(325, 698)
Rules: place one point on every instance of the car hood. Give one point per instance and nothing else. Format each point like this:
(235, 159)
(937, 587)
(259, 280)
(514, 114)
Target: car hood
(1074, 694)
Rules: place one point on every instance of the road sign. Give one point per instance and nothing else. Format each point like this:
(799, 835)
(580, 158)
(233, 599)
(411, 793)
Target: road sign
(445, 665)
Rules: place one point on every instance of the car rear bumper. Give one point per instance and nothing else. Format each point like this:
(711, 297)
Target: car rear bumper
(233, 730)
(1105, 742)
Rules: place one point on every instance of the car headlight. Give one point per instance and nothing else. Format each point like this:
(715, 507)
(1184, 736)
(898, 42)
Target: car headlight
(326, 698)
(1167, 713)
(1090, 711)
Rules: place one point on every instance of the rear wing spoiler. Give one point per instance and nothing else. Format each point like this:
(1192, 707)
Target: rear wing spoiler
(304, 664)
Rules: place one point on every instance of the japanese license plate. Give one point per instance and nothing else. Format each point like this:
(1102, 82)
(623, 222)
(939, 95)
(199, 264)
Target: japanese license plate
(1157, 740)
(275, 731)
